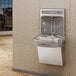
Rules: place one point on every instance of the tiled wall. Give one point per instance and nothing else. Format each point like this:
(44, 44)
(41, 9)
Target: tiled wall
(26, 27)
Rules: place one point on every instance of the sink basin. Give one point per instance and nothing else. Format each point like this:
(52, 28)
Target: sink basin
(49, 40)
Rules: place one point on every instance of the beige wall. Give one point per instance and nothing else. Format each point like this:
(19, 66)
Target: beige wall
(26, 27)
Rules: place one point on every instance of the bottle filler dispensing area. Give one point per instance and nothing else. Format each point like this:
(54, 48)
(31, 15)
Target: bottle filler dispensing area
(50, 42)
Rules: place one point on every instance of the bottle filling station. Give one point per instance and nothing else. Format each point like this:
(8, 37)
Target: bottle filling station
(51, 40)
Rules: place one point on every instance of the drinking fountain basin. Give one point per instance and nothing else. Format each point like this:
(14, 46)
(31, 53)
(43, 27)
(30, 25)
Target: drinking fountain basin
(49, 49)
(49, 40)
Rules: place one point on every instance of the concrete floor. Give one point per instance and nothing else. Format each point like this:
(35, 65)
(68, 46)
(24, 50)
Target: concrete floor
(6, 57)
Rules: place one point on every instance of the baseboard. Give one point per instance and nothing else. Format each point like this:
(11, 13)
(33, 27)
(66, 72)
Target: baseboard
(32, 72)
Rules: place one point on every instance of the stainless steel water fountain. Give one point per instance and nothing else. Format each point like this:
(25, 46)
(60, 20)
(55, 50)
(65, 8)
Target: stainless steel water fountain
(52, 37)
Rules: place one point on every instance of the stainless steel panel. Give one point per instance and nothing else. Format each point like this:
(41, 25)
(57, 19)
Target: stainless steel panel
(52, 26)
